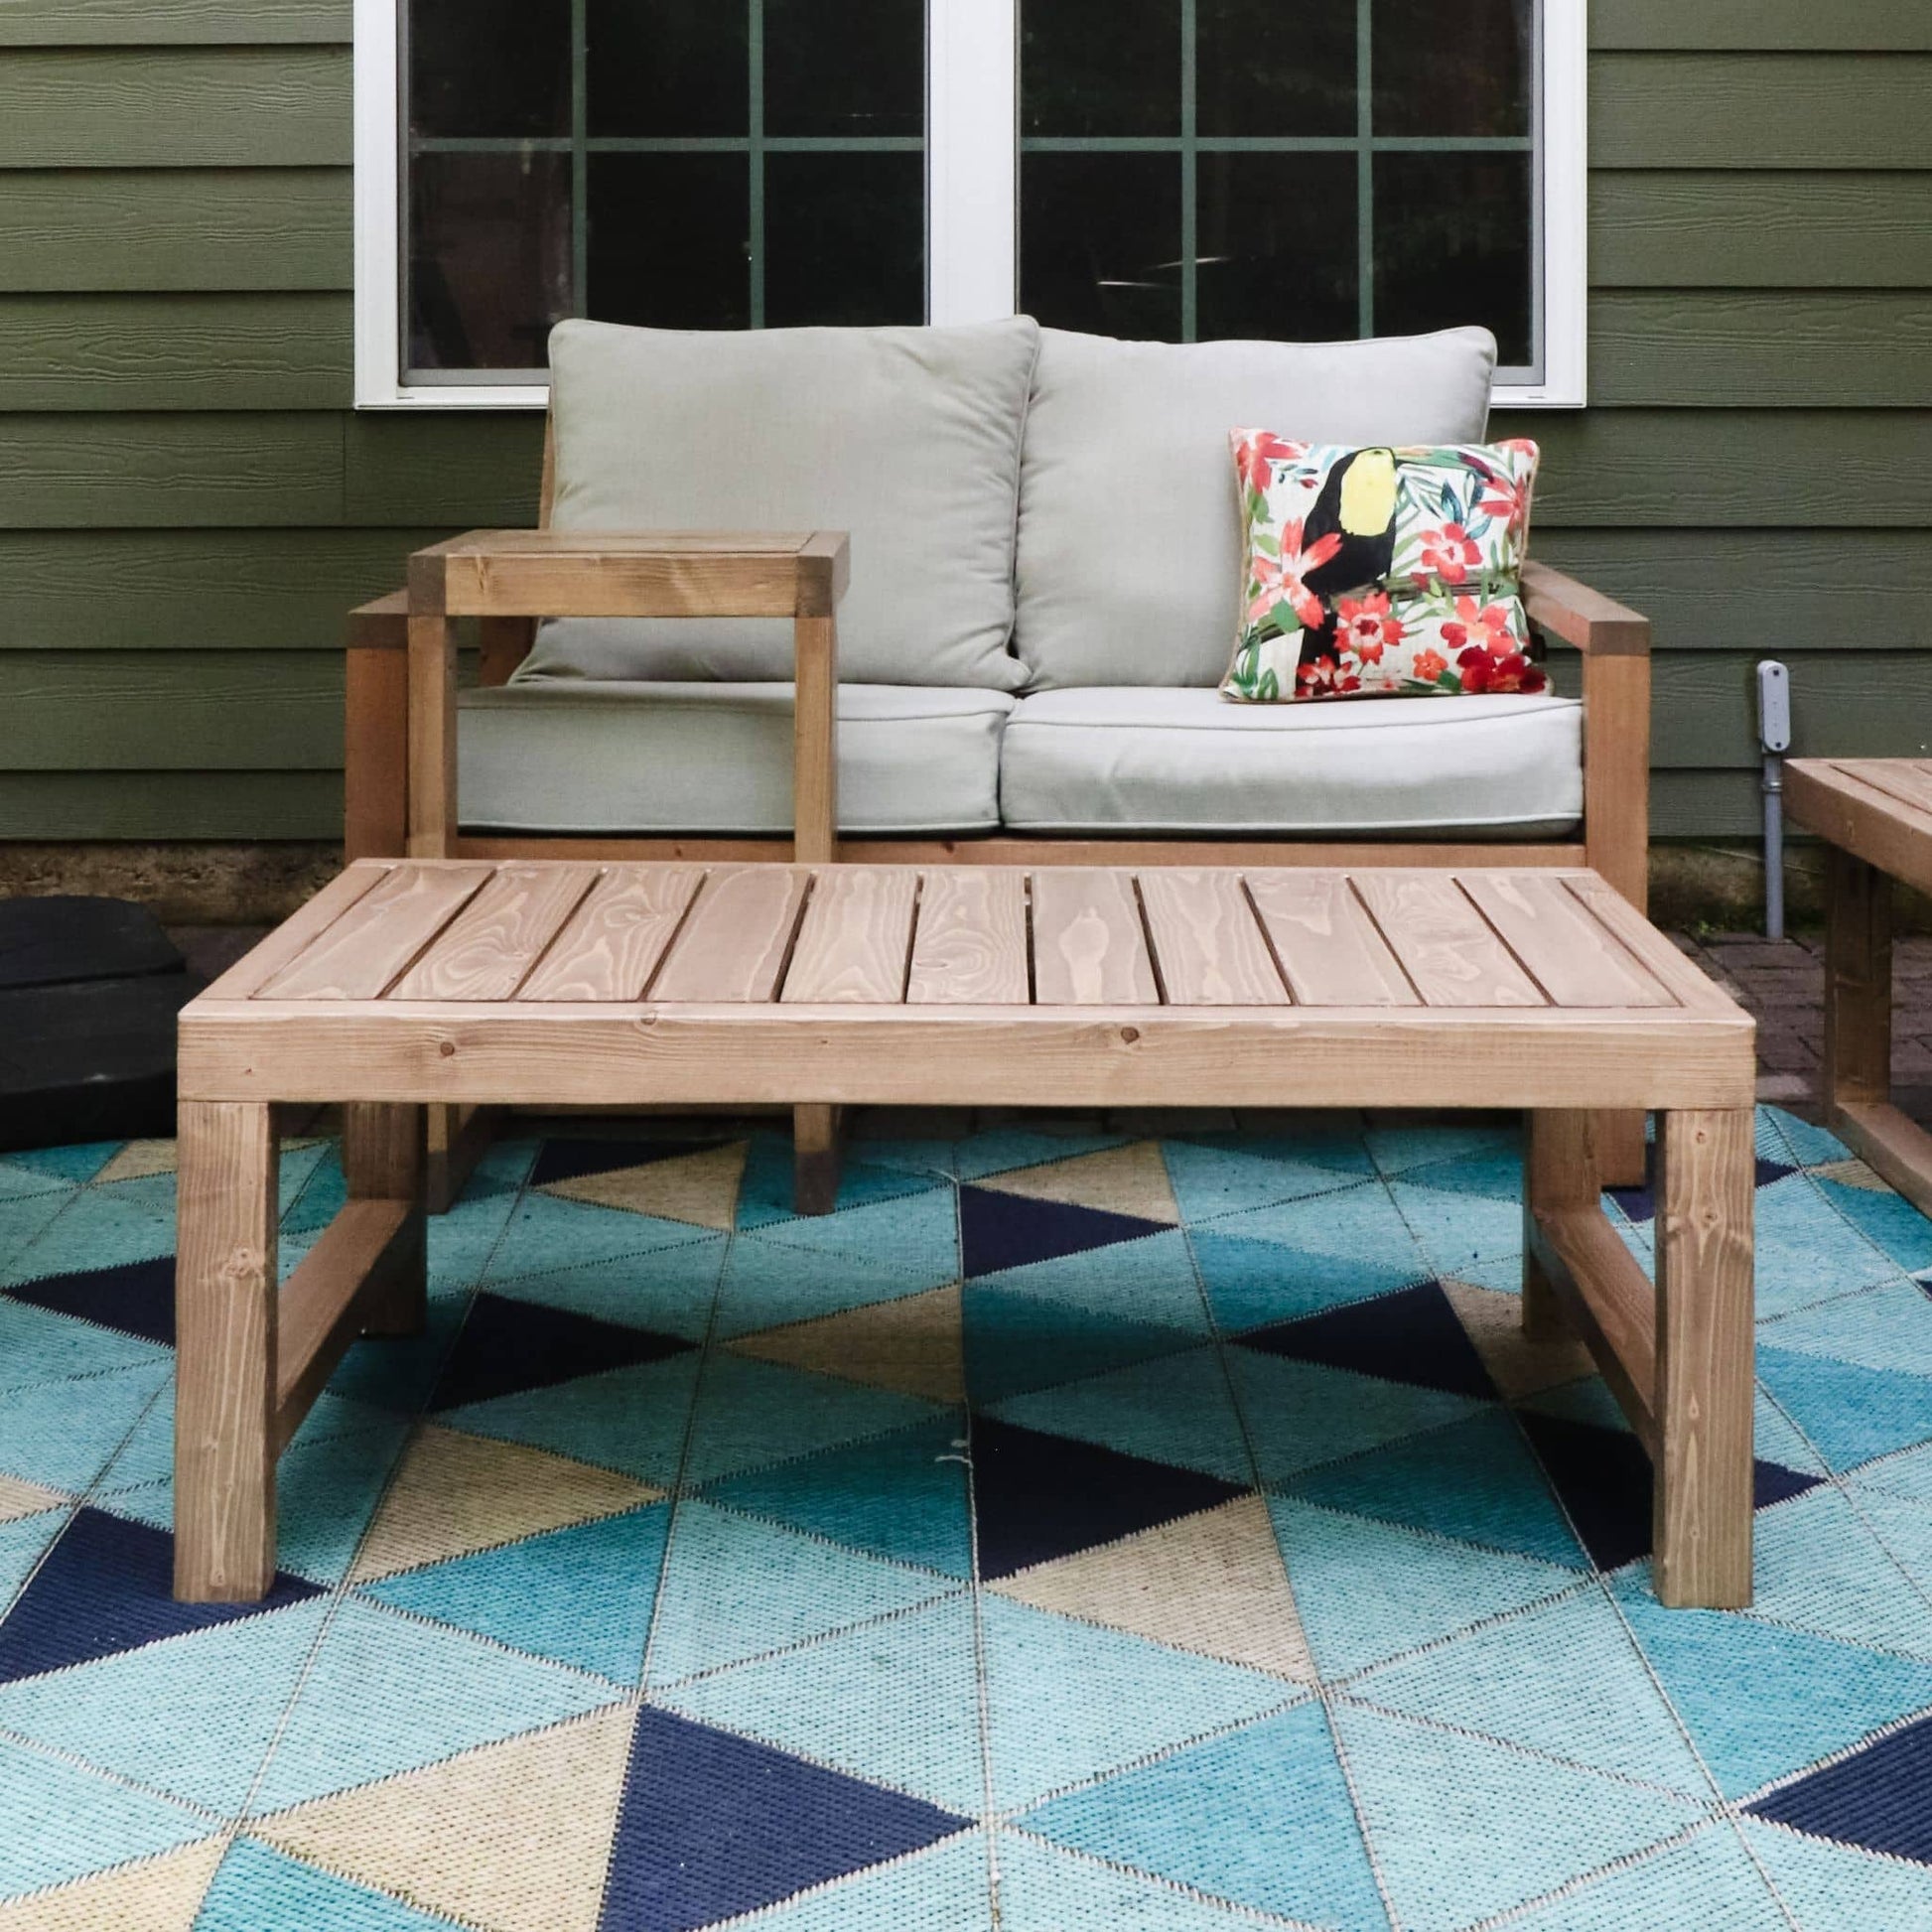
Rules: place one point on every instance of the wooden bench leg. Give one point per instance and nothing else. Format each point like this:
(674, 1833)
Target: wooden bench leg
(1621, 1149)
(1858, 1031)
(1857, 981)
(1559, 1174)
(384, 1159)
(1703, 1399)
(226, 1353)
(816, 1137)
(458, 1138)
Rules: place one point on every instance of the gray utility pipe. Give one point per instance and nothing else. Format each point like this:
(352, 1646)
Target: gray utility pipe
(1774, 741)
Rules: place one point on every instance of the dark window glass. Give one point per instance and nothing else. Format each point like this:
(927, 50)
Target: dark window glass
(490, 66)
(844, 239)
(1276, 253)
(845, 68)
(489, 259)
(1100, 67)
(1100, 243)
(668, 67)
(1465, 70)
(1276, 67)
(669, 245)
(1453, 246)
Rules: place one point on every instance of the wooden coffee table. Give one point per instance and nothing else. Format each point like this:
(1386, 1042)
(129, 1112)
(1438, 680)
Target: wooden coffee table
(548, 983)
(1876, 817)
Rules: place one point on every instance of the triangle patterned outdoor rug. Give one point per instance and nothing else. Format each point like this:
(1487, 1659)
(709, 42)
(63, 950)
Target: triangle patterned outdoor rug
(1073, 1531)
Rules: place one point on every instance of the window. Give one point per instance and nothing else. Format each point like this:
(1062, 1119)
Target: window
(1174, 169)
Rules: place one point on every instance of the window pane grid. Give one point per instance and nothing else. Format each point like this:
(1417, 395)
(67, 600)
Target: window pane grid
(576, 149)
(1188, 145)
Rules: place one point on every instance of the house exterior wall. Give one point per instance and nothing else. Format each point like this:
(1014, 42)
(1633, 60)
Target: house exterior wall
(187, 503)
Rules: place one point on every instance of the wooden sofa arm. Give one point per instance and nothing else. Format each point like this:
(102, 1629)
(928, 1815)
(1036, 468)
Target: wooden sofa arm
(376, 729)
(509, 575)
(1616, 647)
(1597, 626)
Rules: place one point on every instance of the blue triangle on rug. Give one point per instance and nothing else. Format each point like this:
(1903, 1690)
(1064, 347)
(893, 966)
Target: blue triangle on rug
(713, 1825)
(506, 1347)
(1604, 1480)
(107, 1585)
(137, 1298)
(997, 1231)
(578, 1159)
(1038, 1496)
(1879, 1798)
(1413, 1336)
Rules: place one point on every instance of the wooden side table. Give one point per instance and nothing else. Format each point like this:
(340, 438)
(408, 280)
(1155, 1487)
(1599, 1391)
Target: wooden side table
(1876, 815)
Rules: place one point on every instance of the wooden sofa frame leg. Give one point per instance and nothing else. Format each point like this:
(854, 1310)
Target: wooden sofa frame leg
(1677, 1356)
(250, 1359)
(1858, 1105)
(1616, 837)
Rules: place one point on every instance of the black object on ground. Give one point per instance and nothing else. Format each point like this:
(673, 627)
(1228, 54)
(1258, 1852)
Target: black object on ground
(89, 993)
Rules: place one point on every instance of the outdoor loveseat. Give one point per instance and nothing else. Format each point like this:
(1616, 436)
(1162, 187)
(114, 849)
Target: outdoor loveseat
(1045, 546)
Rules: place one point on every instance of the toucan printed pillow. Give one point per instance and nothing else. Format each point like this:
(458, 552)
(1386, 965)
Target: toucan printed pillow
(1381, 572)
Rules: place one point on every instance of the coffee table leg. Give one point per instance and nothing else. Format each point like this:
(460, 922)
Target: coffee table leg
(1559, 1171)
(817, 1134)
(384, 1159)
(1857, 982)
(1703, 1509)
(224, 1359)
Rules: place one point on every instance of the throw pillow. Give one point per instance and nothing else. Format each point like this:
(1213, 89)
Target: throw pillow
(1381, 572)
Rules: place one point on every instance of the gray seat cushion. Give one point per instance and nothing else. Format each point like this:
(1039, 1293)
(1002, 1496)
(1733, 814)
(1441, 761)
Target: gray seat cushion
(574, 754)
(1126, 758)
(907, 438)
(1128, 530)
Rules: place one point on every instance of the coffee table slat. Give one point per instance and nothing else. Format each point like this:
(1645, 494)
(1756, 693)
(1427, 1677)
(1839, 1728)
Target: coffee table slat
(616, 936)
(1207, 947)
(1611, 910)
(855, 939)
(1907, 780)
(1445, 944)
(734, 944)
(1089, 946)
(1328, 947)
(969, 947)
(377, 939)
(487, 949)
(1575, 961)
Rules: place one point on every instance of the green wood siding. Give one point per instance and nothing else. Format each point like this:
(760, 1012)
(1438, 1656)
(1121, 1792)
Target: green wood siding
(188, 505)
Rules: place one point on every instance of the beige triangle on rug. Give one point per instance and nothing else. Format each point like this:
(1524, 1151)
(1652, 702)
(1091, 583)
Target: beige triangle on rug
(1518, 1366)
(512, 1836)
(701, 1188)
(1853, 1173)
(456, 1493)
(1211, 1582)
(139, 1159)
(913, 1344)
(158, 1894)
(1128, 1179)
(21, 1499)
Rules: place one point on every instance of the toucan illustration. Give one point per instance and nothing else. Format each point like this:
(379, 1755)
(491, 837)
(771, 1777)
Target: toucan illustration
(1357, 502)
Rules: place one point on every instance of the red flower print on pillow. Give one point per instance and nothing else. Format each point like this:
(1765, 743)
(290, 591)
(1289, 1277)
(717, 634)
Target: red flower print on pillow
(1256, 455)
(1279, 580)
(1488, 623)
(1447, 553)
(1369, 626)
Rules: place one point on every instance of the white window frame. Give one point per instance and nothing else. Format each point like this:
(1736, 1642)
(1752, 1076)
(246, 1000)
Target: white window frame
(972, 181)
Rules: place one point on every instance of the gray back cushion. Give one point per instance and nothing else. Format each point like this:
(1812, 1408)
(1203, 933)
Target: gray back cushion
(908, 438)
(1129, 523)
